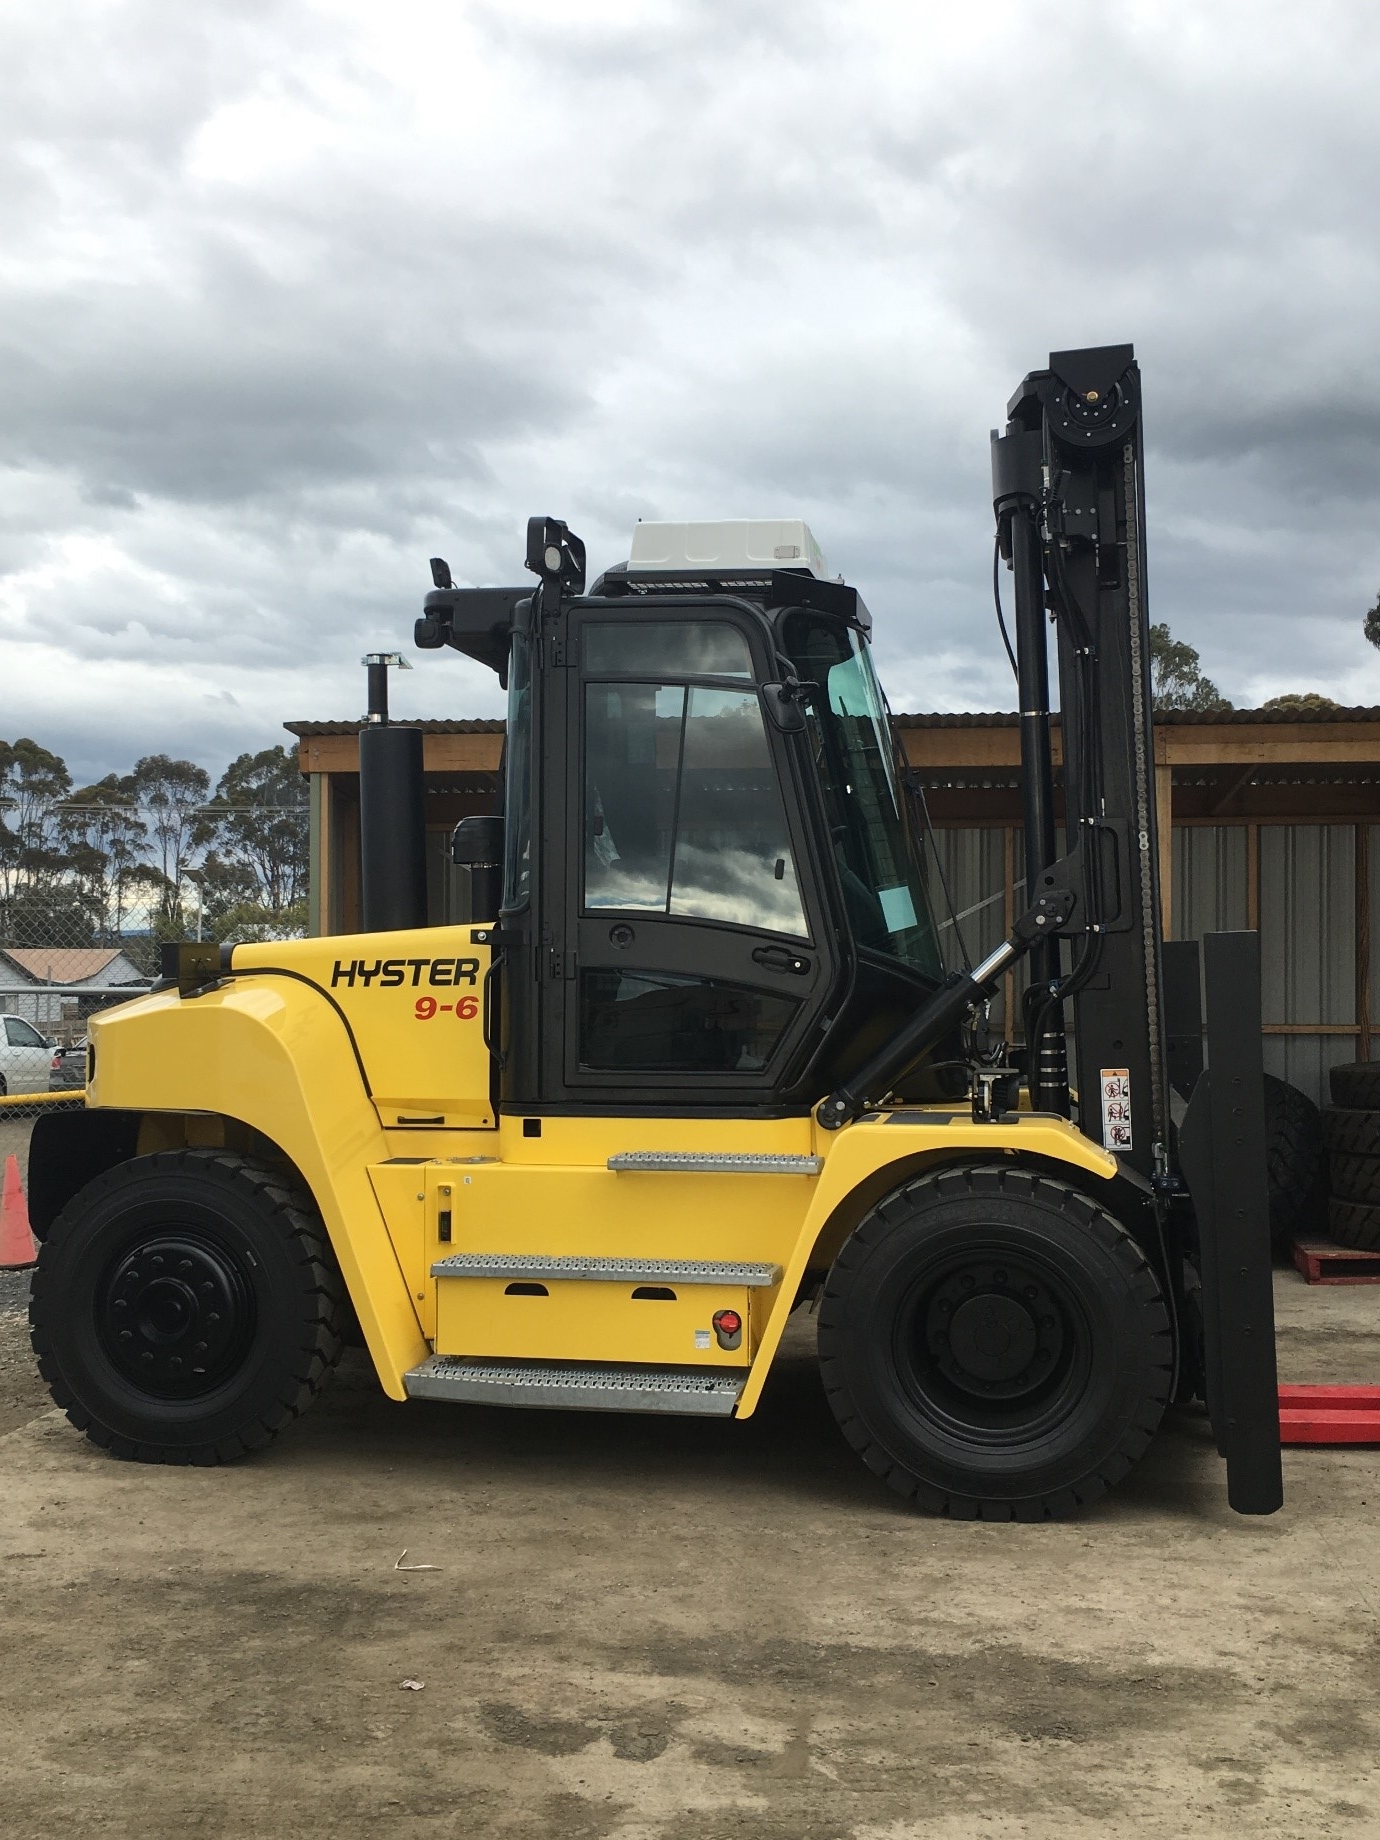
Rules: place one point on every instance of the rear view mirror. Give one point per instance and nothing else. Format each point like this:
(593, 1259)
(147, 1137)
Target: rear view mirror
(782, 704)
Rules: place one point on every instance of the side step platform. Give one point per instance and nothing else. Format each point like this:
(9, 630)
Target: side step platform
(694, 1392)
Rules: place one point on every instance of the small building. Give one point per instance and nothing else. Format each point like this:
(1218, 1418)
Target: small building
(1269, 819)
(50, 986)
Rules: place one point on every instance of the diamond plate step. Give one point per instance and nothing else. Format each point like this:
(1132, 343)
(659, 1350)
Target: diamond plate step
(725, 1162)
(696, 1392)
(615, 1271)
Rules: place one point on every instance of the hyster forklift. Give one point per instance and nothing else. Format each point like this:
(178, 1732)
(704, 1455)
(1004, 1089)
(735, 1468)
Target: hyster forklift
(699, 1059)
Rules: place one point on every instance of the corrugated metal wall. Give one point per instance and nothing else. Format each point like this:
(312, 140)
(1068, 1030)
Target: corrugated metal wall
(1307, 907)
(972, 866)
(1308, 947)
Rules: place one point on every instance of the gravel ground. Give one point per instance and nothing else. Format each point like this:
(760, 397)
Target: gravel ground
(648, 1629)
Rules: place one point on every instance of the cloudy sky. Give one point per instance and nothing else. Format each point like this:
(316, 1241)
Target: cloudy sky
(296, 293)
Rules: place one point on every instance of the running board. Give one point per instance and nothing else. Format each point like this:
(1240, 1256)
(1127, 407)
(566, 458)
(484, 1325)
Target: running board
(722, 1162)
(519, 1265)
(695, 1392)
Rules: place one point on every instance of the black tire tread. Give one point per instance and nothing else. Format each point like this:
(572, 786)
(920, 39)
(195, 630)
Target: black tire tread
(968, 1179)
(322, 1325)
(1354, 1178)
(1356, 1085)
(1355, 1224)
(1293, 1157)
(1348, 1132)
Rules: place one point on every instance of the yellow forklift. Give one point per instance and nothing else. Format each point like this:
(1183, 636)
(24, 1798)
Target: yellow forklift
(699, 1058)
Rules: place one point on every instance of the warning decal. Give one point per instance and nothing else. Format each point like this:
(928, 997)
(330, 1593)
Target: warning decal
(1116, 1108)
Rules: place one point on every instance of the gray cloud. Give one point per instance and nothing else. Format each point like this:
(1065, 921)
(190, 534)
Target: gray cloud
(293, 296)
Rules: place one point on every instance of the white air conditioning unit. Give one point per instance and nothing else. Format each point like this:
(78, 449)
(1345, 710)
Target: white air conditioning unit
(730, 545)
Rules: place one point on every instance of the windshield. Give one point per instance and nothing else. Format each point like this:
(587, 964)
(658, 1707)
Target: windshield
(855, 757)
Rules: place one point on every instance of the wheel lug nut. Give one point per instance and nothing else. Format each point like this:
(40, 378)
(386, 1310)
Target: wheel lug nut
(120, 1304)
(146, 1358)
(999, 1277)
(126, 1335)
(200, 1348)
(186, 1265)
(207, 1288)
(213, 1316)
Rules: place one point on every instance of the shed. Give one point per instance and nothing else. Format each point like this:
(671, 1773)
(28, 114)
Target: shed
(1273, 822)
(46, 985)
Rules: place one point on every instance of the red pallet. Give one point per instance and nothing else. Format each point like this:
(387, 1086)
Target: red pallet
(1329, 1415)
(1323, 1262)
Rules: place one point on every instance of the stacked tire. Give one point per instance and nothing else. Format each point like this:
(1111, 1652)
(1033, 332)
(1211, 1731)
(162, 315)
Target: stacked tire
(1293, 1163)
(1351, 1133)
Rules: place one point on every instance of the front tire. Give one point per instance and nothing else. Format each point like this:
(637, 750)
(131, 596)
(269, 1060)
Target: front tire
(186, 1307)
(995, 1345)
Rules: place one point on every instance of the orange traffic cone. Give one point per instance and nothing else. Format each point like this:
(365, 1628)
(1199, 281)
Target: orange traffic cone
(17, 1248)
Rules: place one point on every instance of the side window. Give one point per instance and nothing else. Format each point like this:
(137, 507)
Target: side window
(662, 1022)
(21, 1035)
(682, 812)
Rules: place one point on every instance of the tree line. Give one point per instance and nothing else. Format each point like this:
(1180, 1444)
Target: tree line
(135, 855)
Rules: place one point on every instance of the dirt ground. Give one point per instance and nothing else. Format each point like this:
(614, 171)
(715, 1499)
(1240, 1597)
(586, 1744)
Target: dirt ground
(648, 1629)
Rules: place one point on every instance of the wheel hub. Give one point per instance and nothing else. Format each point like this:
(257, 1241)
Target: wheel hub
(993, 1330)
(175, 1315)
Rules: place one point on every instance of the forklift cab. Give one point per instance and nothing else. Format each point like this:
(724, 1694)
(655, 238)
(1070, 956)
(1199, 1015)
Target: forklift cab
(713, 890)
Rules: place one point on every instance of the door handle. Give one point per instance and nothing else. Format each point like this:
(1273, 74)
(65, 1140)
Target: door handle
(490, 999)
(777, 958)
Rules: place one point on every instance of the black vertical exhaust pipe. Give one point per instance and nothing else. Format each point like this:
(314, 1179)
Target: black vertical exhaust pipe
(392, 817)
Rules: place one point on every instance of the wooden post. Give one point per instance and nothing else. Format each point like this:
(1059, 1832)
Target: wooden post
(1253, 878)
(1363, 941)
(319, 854)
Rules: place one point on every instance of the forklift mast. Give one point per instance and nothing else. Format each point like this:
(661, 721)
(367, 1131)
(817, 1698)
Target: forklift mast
(1068, 489)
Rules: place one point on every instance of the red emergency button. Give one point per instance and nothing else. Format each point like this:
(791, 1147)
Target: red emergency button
(728, 1327)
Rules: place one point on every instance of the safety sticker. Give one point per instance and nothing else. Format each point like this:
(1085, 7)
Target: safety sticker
(701, 1338)
(1116, 1108)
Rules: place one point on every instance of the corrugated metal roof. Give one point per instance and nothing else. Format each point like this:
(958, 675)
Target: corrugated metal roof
(304, 729)
(978, 718)
(64, 964)
(1169, 718)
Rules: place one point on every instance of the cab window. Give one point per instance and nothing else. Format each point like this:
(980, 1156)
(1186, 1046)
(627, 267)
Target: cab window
(682, 814)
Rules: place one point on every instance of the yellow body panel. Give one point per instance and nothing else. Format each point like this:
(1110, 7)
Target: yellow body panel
(414, 1003)
(419, 1168)
(590, 1321)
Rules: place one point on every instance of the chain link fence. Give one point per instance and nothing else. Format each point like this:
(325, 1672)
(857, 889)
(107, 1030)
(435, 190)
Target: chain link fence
(51, 984)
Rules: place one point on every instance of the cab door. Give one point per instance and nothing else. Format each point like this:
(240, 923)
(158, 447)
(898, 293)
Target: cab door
(699, 965)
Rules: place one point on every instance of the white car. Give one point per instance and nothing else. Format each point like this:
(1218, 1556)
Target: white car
(25, 1056)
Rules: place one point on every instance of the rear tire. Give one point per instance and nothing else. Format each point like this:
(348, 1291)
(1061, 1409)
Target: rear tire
(995, 1345)
(186, 1307)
